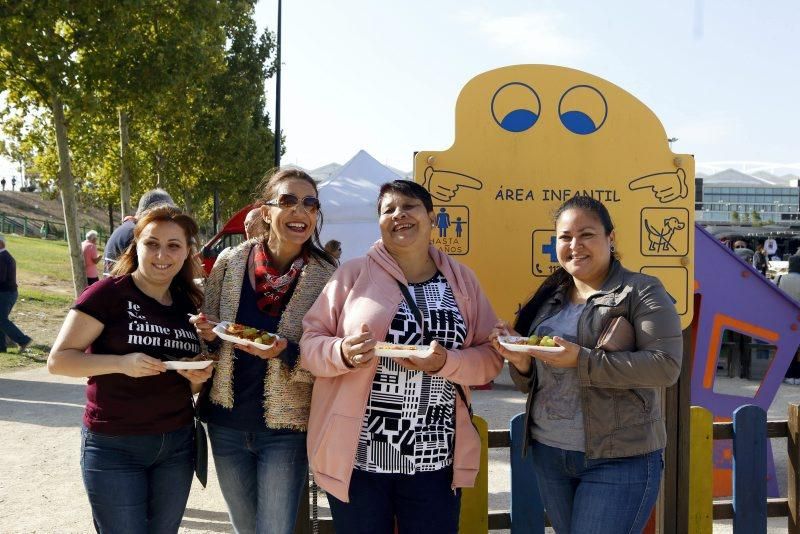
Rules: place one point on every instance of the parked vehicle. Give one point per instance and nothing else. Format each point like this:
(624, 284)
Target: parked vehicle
(231, 234)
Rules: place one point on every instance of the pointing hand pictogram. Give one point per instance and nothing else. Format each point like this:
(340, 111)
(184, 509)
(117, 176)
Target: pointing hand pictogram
(443, 185)
(666, 186)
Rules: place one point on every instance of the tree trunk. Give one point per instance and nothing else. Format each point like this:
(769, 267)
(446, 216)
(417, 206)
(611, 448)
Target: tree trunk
(188, 207)
(158, 165)
(124, 172)
(110, 218)
(67, 186)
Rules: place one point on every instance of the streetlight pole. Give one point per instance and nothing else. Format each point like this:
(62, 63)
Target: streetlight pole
(278, 93)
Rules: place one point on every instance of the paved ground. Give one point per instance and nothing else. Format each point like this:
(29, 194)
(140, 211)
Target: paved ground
(41, 488)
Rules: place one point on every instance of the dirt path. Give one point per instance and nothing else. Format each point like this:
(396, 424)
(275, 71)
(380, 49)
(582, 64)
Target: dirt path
(41, 488)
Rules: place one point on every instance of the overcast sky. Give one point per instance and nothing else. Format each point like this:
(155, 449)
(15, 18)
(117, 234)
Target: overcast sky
(723, 76)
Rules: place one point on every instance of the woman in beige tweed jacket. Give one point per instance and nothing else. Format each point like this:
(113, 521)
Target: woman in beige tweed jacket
(257, 409)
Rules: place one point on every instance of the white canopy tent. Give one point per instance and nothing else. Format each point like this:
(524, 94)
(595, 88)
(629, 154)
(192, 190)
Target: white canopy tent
(348, 200)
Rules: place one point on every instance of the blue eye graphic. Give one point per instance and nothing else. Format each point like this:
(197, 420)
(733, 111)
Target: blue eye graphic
(516, 107)
(582, 109)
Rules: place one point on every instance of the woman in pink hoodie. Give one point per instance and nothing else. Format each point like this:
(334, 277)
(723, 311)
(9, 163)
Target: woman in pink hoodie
(392, 437)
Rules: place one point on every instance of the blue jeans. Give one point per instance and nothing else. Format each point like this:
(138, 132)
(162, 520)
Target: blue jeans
(422, 503)
(7, 328)
(596, 496)
(262, 475)
(137, 484)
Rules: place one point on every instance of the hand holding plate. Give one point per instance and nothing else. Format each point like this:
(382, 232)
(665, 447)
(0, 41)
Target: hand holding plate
(431, 362)
(139, 364)
(359, 349)
(266, 354)
(520, 360)
(566, 358)
(197, 376)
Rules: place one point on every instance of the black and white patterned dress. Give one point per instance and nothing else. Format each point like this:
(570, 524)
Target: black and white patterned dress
(409, 425)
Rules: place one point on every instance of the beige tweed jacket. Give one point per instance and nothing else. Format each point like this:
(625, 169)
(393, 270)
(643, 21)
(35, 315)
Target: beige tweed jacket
(287, 392)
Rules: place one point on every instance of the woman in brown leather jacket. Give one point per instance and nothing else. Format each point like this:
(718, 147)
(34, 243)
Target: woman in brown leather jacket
(594, 419)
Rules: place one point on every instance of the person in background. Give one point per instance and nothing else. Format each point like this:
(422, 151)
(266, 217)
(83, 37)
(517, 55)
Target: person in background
(137, 447)
(741, 250)
(257, 410)
(790, 283)
(8, 297)
(254, 223)
(90, 257)
(122, 235)
(594, 422)
(334, 248)
(392, 438)
(760, 259)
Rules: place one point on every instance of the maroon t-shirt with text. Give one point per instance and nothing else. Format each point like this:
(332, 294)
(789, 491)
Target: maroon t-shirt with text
(118, 404)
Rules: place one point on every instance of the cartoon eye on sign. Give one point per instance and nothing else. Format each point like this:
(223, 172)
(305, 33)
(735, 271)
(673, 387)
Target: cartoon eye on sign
(516, 107)
(582, 109)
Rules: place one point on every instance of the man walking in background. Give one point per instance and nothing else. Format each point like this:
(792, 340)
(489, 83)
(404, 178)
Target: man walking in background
(122, 236)
(8, 297)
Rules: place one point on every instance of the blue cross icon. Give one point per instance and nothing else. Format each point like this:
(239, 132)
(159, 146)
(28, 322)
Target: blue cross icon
(550, 248)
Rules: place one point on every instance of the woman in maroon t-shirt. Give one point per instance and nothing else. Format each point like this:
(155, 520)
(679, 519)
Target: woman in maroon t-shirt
(136, 448)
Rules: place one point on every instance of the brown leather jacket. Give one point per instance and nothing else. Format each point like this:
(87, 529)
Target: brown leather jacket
(620, 391)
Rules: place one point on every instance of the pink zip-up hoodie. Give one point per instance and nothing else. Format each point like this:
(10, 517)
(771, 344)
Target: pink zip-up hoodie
(365, 290)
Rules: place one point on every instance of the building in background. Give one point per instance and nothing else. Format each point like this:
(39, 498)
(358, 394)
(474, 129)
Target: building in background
(738, 198)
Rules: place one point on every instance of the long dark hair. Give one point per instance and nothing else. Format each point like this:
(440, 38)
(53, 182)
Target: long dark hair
(183, 283)
(560, 278)
(312, 246)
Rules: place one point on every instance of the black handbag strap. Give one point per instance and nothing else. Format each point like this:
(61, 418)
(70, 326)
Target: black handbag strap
(427, 338)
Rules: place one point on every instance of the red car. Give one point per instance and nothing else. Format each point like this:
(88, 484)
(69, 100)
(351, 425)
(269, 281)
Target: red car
(231, 235)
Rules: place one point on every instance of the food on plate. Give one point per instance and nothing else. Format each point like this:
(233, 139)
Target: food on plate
(251, 334)
(391, 346)
(534, 340)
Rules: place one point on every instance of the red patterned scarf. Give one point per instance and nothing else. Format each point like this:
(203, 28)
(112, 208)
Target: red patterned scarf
(270, 284)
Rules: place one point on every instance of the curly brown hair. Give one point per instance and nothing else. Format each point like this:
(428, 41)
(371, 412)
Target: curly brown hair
(183, 283)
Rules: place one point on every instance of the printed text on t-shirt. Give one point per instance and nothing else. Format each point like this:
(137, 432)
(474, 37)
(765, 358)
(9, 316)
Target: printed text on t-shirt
(143, 333)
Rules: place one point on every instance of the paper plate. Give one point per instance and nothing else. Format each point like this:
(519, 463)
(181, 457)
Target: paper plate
(221, 331)
(172, 365)
(513, 344)
(384, 349)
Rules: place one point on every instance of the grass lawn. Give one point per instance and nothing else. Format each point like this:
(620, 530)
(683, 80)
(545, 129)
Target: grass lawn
(37, 258)
(44, 277)
(39, 315)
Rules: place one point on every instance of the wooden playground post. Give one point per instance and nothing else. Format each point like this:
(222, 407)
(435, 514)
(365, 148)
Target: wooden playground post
(793, 450)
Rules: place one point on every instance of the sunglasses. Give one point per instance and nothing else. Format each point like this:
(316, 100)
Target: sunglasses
(288, 201)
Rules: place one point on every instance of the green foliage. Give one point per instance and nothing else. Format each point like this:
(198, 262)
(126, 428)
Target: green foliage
(189, 75)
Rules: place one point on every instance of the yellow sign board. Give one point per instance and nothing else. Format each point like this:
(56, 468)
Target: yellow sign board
(528, 137)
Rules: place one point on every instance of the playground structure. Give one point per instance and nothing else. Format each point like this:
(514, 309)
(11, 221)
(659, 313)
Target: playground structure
(749, 506)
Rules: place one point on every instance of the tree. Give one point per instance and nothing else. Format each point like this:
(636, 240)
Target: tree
(735, 216)
(152, 72)
(233, 128)
(176, 100)
(38, 64)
